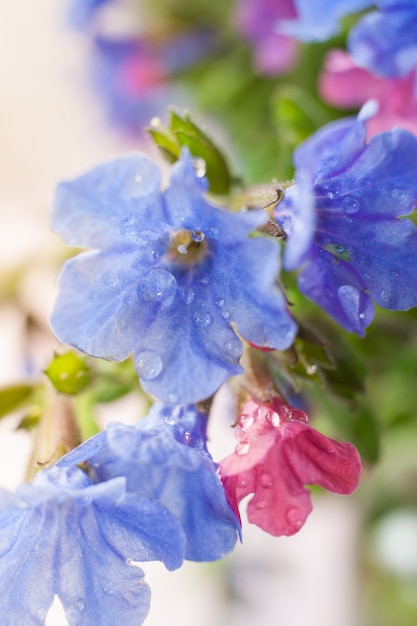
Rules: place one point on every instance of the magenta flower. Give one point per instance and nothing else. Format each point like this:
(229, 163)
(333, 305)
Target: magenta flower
(258, 20)
(277, 454)
(346, 85)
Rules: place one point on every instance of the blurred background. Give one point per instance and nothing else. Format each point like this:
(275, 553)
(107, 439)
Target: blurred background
(77, 89)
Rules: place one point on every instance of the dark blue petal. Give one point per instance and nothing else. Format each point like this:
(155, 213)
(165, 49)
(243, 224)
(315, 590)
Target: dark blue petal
(386, 42)
(338, 289)
(320, 20)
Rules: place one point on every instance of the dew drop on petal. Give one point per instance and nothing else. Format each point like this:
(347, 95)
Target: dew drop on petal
(220, 302)
(187, 294)
(242, 483)
(148, 364)
(260, 505)
(233, 348)
(156, 285)
(351, 204)
(294, 517)
(266, 480)
(198, 236)
(225, 315)
(169, 419)
(242, 448)
(202, 319)
(273, 417)
(246, 421)
(199, 165)
(173, 398)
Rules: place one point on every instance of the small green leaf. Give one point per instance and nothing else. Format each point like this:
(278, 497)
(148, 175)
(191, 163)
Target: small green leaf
(166, 142)
(69, 373)
(14, 396)
(201, 146)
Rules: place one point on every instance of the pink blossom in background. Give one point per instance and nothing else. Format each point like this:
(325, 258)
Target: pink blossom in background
(258, 21)
(346, 85)
(277, 454)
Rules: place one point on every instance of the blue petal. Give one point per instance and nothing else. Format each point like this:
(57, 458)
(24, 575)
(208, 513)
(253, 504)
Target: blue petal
(100, 208)
(164, 458)
(64, 535)
(386, 42)
(338, 289)
(319, 20)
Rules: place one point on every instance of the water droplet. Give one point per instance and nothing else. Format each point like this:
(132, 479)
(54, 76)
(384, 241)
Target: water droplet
(78, 604)
(182, 249)
(197, 236)
(234, 349)
(169, 419)
(260, 505)
(361, 316)
(200, 167)
(110, 278)
(242, 448)
(157, 285)
(339, 248)
(266, 480)
(220, 302)
(242, 483)
(246, 421)
(351, 204)
(398, 194)
(202, 319)
(295, 518)
(187, 437)
(148, 364)
(225, 315)
(273, 417)
(311, 369)
(155, 122)
(187, 294)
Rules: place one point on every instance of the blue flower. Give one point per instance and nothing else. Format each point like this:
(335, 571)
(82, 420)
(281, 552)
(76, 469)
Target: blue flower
(65, 536)
(385, 41)
(320, 20)
(80, 12)
(342, 218)
(171, 276)
(164, 458)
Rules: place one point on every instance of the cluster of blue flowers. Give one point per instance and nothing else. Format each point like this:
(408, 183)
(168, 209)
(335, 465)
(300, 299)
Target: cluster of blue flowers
(183, 284)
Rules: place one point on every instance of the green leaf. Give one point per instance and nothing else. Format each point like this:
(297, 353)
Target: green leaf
(13, 397)
(201, 146)
(166, 142)
(69, 373)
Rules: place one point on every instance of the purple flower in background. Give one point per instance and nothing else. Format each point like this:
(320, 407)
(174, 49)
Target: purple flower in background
(319, 20)
(134, 76)
(345, 84)
(258, 21)
(342, 218)
(165, 458)
(65, 536)
(385, 41)
(131, 77)
(169, 276)
(80, 12)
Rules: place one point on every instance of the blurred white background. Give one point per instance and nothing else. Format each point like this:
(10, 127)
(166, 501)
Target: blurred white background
(52, 128)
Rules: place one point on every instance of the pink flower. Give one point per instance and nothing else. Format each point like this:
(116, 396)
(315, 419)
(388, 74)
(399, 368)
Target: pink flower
(346, 85)
(258, 21)
(277, 454)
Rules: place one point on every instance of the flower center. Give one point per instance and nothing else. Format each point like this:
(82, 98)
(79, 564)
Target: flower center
(187, 246)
